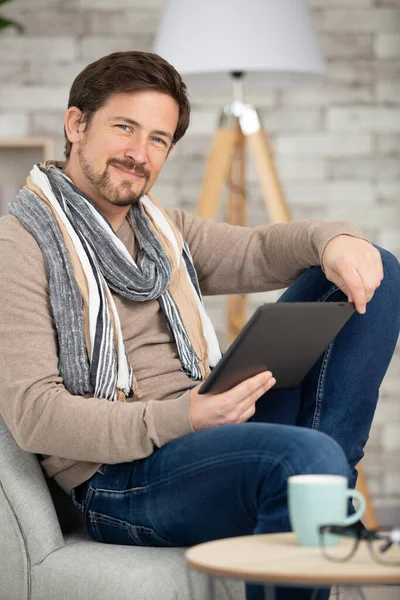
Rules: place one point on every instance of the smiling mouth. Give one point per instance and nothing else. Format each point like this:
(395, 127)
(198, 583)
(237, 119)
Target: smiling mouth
(132, 174)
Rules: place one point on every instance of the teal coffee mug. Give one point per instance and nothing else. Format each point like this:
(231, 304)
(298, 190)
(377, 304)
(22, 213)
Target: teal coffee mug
(316, 500)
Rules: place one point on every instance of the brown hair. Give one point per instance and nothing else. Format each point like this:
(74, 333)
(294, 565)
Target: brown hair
(131, 71)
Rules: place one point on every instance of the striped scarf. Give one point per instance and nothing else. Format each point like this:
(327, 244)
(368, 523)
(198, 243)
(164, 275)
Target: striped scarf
(85, 260)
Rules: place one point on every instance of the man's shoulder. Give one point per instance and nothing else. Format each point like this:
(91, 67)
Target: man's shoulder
(12, 230)
(187, 222)
(15, 238)
(175, 216)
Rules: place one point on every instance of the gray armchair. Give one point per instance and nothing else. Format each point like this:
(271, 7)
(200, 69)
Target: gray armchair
(46, 555)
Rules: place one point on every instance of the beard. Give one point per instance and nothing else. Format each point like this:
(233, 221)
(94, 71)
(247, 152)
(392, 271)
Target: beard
(119, 195)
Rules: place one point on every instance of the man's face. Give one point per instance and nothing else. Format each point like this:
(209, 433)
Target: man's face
(126, 143)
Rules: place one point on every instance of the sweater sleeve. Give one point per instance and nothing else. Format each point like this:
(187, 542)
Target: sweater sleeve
(42, 415)
(230, 259)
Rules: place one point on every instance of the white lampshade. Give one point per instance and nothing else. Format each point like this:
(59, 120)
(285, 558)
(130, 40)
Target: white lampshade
(272, 41)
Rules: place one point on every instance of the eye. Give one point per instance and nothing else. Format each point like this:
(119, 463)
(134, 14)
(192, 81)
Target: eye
(122, 125)
(160, 140)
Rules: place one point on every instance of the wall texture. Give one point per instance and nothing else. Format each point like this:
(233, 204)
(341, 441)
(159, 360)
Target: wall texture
(337, 144)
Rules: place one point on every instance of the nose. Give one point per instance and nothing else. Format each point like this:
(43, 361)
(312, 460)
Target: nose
(136, 149)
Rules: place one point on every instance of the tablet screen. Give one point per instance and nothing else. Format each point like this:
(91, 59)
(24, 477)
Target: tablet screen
(286, 338)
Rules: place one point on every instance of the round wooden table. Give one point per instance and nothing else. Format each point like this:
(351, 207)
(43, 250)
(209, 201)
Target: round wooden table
(277, 559)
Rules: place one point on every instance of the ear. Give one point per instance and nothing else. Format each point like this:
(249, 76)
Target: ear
(73, 124)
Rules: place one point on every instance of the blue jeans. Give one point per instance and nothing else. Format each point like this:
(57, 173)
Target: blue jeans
(232, 480)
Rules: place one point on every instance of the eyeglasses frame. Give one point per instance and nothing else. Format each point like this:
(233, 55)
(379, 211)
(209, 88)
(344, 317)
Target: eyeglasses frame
(358, 531)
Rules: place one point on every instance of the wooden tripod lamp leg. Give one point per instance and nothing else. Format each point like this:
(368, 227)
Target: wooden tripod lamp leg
(370, 518)
(217, 169)
(237, 215)
(274, 197)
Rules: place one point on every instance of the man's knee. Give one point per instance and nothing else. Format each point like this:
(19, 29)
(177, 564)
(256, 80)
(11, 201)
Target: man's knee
(318, 454)
(387, 294)
(391, 266)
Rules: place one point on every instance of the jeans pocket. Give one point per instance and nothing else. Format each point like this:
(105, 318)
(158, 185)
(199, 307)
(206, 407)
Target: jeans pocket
(148, 537)
(110, 530)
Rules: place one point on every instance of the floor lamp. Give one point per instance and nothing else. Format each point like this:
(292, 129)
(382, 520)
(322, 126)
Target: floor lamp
(220, 44)
(224, 44)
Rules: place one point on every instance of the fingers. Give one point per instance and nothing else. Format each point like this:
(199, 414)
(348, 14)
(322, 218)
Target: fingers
(248, 405)
(247, 414)
(252, 388)
(356, 289)
(233, 406)
(252, 398)
(360, 283)
(238, 404)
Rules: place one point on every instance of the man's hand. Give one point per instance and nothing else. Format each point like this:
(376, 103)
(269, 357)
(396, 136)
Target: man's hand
(355, 266)
(236, 405)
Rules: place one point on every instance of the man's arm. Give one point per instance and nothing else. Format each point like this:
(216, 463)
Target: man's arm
(42, 415)
(232, 259)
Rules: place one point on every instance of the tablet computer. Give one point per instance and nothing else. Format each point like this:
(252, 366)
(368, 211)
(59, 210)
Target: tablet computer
(286, 338)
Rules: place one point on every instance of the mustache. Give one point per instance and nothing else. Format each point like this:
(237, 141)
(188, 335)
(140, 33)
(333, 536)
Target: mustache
(131, 166)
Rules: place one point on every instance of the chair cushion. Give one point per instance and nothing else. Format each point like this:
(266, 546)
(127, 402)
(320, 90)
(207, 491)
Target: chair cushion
(85, 570)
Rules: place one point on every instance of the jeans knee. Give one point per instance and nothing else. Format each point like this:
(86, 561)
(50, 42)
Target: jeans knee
(388, 293)
(319, 454)
(391, 266)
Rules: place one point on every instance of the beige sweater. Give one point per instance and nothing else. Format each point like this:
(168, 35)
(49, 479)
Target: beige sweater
(75, 434)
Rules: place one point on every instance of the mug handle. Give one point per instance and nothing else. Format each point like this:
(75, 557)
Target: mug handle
(359, 512)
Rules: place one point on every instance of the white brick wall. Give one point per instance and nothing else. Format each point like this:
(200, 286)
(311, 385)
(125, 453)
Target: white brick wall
(388, 191)
(388, 93)
(112, 5)
(13, 125)
(359, 118)
(23, 48)
(336, 144)
(388, 144)
(356, 72)
(328, 93)
(341, 3)
(27, 4)
(371, 168)
(203, 122)
(118, 23)
(291, 120)
(91, 48)
(33, 98)
(356, 193)
(346, 20)
(48, 123)
(382, 20)
(365, 216)
(324, 144)
(59, 21)
(346, 45)
(387, 45)
(387, 3)
(291, 166)
(54, 74)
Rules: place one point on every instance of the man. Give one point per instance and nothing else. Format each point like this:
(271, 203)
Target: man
(105, 338)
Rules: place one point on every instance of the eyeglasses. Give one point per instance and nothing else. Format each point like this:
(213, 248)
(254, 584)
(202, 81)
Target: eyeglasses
(339, 543)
